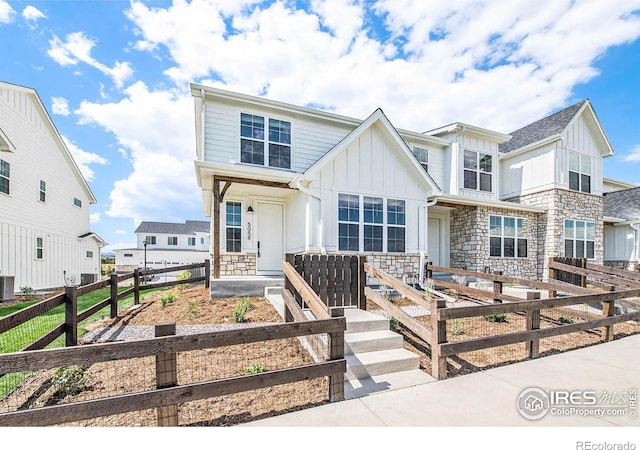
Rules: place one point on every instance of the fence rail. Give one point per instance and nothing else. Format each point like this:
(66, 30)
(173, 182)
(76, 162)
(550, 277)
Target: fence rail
(161, 347)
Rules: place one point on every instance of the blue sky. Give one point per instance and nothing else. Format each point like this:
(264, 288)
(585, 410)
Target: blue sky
(114, 76)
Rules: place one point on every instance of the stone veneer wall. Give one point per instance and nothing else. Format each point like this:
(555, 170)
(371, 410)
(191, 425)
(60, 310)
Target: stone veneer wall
(564, 204)
(397, 265)
(633, 266)
(237, 264)
(470, 242)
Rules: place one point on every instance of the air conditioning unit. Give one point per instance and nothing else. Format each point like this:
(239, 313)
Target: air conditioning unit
(87, 278)
(6, 288)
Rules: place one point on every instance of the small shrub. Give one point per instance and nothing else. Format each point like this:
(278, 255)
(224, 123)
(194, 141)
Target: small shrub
(27, 290)
(70, 380)
(192, 309)
(566, 320)
(456, 327)
(240, 311)
(255, 368)
(393, 324)
(496, 317)
(169, 298)
(184, 275)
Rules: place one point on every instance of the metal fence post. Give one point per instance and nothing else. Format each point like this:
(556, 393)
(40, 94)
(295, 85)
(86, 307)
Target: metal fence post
(136, 287)
(114, 295)
(71, 315)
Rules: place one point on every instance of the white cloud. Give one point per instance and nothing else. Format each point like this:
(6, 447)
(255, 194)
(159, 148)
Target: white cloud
(7, 13)
(77, 48)
(83, 159)
(95, 217)
(120, 232)
(156, 128)
(633, 155)
(32, 14)
(60, 105)
(440, 59)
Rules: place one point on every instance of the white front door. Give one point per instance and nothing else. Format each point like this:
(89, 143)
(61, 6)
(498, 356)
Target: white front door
(270, 220)
(434, 241)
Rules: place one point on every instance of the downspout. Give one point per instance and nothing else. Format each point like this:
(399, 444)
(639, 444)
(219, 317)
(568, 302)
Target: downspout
(308, 192)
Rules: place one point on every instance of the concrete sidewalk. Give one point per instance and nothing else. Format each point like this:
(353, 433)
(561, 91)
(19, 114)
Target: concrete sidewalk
(490, 398)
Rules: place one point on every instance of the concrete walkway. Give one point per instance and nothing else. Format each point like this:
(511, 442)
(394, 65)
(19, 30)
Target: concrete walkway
(490, 398)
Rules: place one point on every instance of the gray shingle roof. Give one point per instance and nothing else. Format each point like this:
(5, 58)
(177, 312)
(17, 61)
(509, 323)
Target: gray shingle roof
(189, 227)
(548, 126)
(623, 204)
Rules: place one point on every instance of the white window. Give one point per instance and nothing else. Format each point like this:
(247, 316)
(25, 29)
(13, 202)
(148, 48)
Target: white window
(422, 154)
(202, 241)
(191, 241)
(43, 191)
(89, 254)
(151, 240)
(478, 168)
(172, 240)
(77, 202)
(272, 148)
(371, 224)
(128, 255)
(233, 230)
(579, 238)
(5, 171)
(39, 248)
(507, 237)
(579, 172)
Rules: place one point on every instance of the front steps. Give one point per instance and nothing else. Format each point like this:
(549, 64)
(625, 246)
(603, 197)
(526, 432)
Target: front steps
(372, 349)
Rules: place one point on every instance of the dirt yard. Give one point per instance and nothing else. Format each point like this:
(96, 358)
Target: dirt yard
(191, 306)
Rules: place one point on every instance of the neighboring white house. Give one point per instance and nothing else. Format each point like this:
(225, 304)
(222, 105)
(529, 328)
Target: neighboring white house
(622, 228)
(166, 244)
(278, 178)
(45, 235)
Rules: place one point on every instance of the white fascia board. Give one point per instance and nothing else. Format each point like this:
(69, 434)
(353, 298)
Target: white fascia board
(459, 127)
(533, 145)
(460, 200)
(5, 143)
(206, 170)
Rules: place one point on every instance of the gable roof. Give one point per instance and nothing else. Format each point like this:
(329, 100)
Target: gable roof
(544, 128)
(623, 204)
(5, 143)
(101, 242)
(190, 227)
(377, 116)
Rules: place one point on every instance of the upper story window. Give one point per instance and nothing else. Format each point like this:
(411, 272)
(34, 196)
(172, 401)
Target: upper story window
(191, 241)
(234, 227)
(172, 240)
(507, 237)
(579, 238)
(201, 241)
(364, 226)
(77, 202)
(478, 168)
(43, 191)
(271, 149)
(579, 172)
(4, 176)
(89, 254)
(422, 154)
(151, 240)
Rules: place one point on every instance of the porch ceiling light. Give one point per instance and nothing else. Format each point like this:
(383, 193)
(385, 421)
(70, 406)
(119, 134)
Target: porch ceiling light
(250, 209)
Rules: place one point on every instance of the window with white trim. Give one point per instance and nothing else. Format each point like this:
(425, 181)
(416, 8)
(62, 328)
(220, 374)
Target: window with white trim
(579, 238)
(579, 172)
(89, 254)
(43, 191)
(39, 248)
(507, 237)
(191, 241)
(172, 240)
(422, 155)
(233, 227)
(478, 169)
(271, 149)
(5, 172)
(77, 202)
(151, 240)
(371, 224)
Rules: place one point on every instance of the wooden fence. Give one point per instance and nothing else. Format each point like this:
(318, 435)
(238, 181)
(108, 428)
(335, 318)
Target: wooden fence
(338, 280)
(435, 334)
(168, 394)
(70, 299)
(568, 276)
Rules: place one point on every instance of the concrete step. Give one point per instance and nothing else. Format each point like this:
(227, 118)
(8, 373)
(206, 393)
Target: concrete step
(371, 341)
(354, 388)
(359, 321)
(370, 364)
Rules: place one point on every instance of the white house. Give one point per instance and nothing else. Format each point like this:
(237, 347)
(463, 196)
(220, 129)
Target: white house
(278, 178)
(622, 228)
(166, 244)
(45, 235)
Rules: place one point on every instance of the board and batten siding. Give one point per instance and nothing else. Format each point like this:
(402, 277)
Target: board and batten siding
(310, 139)
(620, 243)
(371, 165)
(528, 172)
(39, 156)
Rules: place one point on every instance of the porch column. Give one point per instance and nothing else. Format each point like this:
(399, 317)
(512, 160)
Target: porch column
(216, 228)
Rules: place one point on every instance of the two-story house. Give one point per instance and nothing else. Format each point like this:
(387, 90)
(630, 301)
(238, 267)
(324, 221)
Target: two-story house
(166, 244)
(278, 178)
(45, 235)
